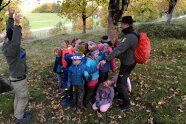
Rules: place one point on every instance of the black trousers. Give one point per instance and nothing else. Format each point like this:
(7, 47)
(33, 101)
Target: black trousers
(89, 95)
(121, 84)
(78, 94)
(103, 76)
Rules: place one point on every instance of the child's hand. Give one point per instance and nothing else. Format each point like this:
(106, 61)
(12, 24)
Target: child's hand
(102, 63)
(97, 104)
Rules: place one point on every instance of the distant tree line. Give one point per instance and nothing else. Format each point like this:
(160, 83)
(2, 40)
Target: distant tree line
(47, 8)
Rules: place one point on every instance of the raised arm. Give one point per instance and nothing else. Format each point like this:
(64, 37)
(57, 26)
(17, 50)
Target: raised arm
(13, 49)
(10, 22)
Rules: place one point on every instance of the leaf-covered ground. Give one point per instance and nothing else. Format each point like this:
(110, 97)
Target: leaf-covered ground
(158, 87)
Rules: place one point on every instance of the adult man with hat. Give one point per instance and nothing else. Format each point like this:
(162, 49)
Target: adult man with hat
(125, 52)
(16, 59)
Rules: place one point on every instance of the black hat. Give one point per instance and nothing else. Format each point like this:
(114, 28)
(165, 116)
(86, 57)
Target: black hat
(127, 19)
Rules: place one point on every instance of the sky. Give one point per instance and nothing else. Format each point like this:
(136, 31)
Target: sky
(28, 5)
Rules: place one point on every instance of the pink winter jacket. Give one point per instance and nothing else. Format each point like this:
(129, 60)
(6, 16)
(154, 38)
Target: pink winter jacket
(112, 61)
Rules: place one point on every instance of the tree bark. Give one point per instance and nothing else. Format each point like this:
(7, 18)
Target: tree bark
(172, 4)
(115, 14)
(84, 23)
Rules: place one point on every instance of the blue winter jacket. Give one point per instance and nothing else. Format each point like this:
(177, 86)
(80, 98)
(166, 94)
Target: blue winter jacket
(93, 63)
(76, 74)
(107, 66)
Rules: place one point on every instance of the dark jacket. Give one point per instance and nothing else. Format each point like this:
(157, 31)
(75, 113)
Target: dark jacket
(125, 50)
(106, 67)
(15, 55)
(58, 65)
(76, 74)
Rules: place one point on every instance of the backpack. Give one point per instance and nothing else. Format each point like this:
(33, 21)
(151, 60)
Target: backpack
(143, 49)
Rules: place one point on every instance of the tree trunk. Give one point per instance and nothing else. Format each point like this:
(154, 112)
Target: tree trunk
(172, 5)
(115, 14)
(84, 23)
(112, 29)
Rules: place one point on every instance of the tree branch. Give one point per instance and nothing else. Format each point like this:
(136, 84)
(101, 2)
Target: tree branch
(92, 12)
(4, 5)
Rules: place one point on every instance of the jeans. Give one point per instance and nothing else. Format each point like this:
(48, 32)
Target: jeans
(59, 77)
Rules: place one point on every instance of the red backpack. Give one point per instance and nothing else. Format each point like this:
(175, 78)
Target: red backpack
(143, 49)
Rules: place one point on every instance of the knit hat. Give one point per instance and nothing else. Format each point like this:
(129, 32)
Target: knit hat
(68, 58)
(104, 45)
(91, 43)
(127, 20)
(94, 52)
(76, 56)
(80, 49)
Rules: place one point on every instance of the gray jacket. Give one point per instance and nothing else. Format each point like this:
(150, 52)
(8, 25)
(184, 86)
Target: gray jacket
(104, 95)
(125, 50)
(12, 51)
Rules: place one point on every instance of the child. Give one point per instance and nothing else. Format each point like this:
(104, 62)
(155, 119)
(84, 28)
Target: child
(80, 49)
(58, 66)
(90, 45)
(109, 51)
(65, 92)
(93, 60)
(106, 39)
(104, 70)
(104, 96)
(67, 49)
(75, 78)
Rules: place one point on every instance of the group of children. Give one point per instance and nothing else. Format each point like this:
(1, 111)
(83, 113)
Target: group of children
(84, 72)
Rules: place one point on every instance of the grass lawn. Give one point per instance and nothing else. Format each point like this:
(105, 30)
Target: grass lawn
(158, 89)
(40, 20)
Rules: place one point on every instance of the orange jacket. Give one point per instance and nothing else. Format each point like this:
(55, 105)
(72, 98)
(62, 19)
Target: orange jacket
(69, 50)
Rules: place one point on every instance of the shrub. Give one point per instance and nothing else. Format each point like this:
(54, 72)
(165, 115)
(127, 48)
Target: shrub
(163, 30)
(58, 29)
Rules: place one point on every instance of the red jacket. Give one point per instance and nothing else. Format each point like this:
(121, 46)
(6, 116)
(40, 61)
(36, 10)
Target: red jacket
(69, 50)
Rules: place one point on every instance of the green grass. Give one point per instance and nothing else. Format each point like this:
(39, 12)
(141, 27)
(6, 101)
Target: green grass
(40, 20)
(158, 87)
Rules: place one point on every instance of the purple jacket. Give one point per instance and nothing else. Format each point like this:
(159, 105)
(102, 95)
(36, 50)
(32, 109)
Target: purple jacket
(104, 95)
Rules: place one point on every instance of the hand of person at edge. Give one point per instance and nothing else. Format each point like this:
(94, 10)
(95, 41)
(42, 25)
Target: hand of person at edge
(17, 18)
(11, 11)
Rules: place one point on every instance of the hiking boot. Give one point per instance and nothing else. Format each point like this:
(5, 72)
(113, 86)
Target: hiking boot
(124, 108)
(26, 113)
(25, 118)
(88, 105)
(74, 109)
(66, 101)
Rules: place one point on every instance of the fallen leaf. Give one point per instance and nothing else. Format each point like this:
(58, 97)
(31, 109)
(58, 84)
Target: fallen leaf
(99, 115)
(161, 102)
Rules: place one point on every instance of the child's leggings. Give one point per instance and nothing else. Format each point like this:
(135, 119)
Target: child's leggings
(103, 108)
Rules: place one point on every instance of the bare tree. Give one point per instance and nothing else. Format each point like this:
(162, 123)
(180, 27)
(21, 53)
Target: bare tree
(116, 9)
